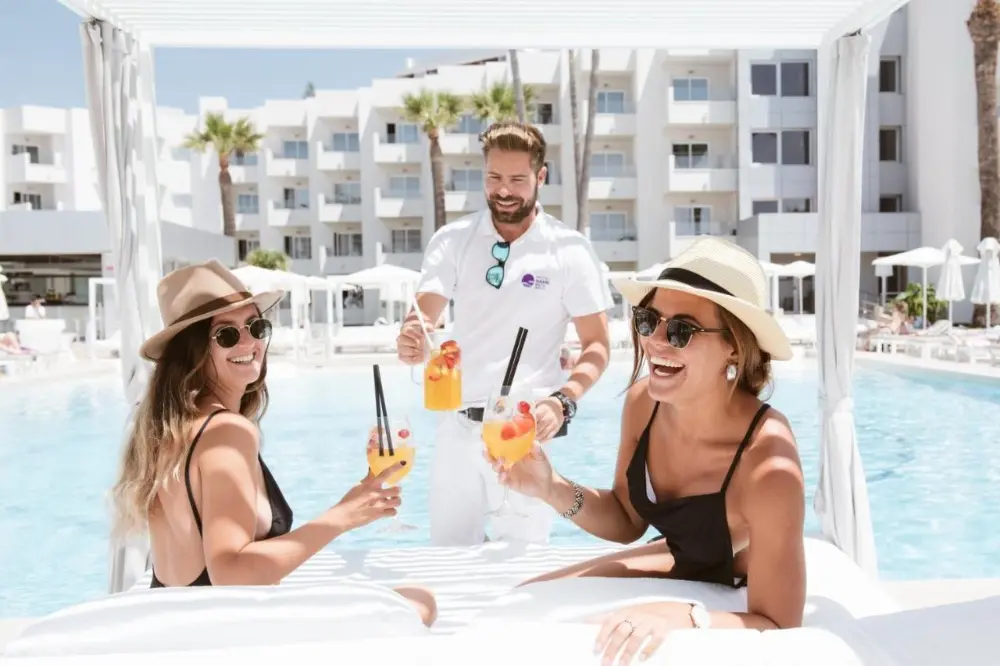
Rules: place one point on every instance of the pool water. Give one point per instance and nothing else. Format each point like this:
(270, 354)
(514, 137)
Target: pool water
(929, 445)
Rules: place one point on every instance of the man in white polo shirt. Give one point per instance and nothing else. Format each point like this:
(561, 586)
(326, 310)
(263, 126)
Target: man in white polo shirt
(509, 266)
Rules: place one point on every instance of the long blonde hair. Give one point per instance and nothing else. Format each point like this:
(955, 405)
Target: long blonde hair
(160, 435)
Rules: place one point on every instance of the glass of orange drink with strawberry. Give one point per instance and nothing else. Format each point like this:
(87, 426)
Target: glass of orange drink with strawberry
(509, 431)
(402, 449)
(443, 378)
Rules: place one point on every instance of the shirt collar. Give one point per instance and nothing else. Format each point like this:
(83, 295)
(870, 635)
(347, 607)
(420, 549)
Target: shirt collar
(486, 227)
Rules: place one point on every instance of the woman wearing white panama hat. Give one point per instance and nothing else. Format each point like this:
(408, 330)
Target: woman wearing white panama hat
(228, 522)
(702, 459)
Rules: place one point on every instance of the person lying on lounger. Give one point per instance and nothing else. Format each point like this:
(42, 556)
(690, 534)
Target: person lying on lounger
(192, 472)
(702, 459)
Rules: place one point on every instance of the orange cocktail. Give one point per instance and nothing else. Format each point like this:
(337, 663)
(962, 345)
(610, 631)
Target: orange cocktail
(443, 379)
(511, 437)
(402, 450)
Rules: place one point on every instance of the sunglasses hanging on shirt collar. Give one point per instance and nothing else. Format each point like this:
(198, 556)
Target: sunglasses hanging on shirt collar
(495, 274)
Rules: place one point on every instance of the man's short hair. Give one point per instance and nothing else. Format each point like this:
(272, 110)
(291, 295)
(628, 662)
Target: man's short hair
(515, 137)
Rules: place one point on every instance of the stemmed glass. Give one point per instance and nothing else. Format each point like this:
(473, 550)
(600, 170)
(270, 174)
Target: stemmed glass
(403, 449)
(509, 433)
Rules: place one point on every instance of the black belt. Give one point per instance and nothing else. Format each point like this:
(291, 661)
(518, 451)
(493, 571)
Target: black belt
(476, 414)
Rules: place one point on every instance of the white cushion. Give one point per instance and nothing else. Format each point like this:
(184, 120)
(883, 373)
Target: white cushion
(197, 618)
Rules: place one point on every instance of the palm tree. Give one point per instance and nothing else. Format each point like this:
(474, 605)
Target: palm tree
(520, 94)
(984, 29)
(574, 118)
(273, 260)
(238, 137)
(434, 112)
(583, 182)
(498, 103)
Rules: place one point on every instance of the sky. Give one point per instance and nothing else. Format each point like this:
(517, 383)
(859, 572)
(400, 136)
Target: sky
(41, 63)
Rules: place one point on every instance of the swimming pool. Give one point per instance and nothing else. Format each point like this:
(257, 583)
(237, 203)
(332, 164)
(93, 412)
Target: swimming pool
(929, 445)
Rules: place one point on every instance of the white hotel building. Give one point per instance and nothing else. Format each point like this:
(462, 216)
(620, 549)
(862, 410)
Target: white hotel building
(686, 143)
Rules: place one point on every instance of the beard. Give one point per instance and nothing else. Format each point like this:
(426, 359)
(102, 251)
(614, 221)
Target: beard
(516, 216)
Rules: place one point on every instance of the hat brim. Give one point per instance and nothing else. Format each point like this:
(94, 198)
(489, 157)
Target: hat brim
(152, 349)
(770, 336)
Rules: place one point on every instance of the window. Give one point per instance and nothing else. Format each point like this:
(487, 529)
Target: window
(690, 90)
(890, 203)
(347, 245)
(795, 148)
(244, 159)
(764, 206)
(32, 199)
(690, 155)
(888, 75)
(764, 147)
(607, 165)
(469, 124)
(346, 142)
(295, 150)
(764, 80)
(889, 147)
(402, 133)
(693, 220)
(298, 247)
(611, 226)
(247, 203)
(545, 113)
(293, 197)
(466, 180)
(610, 101)
(32, 151)
(795, 79)
(404, 187)
(406, 240)
(346, 193)
(246, 246)
(796, 205)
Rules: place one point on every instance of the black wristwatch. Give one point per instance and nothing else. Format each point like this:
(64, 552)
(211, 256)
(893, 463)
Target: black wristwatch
(568, 405)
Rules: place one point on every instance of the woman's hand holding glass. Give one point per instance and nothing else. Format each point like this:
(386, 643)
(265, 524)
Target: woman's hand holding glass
(369, 500)
(532, 475)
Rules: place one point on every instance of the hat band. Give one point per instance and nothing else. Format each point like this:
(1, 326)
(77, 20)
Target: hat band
(692, 279)
(213, 305)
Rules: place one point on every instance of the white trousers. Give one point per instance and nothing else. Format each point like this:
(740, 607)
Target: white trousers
(464, 488)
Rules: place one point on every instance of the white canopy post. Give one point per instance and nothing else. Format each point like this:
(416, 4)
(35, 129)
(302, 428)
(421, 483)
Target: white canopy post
(119, 84)
(841, 501)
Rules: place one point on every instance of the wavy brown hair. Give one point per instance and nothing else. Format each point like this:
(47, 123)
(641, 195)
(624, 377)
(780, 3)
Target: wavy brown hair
(753, 364)
(161, 432)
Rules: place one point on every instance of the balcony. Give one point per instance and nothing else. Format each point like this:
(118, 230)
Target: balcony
(623, 250)
(551, 194)
(330, 210)
(699, 113)
(20, 169)
(35, 120)
(460, 144)
(612, 184)
(691, 228)
(249, 221)
(711, 174)
(552, 131)
(335, 265)
(464, 202)
(398, 204)
(280, 167)
(279, 216)
(786, 233)
(620, 123)
(336, 160)
(399, 153)
(243, 173)
(411, 260)
(336, 103)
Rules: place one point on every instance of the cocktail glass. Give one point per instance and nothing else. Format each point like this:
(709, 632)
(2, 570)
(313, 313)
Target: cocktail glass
(509, 433)
(403, 449)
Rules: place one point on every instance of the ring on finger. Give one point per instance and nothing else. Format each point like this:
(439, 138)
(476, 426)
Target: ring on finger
(631, 627)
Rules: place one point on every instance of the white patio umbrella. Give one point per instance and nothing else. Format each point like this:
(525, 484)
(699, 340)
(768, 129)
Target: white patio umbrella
(119, 85)
(773, 273)
(798, 270)
(986, 288)
(922, 258)
(951, 284)
(841, 501)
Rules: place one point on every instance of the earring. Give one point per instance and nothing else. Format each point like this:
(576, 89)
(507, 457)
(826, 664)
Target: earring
(731, 372)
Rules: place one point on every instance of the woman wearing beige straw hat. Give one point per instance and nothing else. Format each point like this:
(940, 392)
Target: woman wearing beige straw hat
(192, 473)
(702, 459)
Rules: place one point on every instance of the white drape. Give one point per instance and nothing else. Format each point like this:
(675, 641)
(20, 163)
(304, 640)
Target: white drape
(119, 85)
(986, 288)
(951, 285)
(842, 497)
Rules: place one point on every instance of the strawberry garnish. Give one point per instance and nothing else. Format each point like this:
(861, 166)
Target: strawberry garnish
(523, 407)
(509, 431)
(403, 434)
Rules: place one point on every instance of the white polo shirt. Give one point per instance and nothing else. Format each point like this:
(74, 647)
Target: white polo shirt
(551, 276)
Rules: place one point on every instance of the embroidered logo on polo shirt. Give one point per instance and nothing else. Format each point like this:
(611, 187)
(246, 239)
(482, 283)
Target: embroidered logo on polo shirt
(530, 281)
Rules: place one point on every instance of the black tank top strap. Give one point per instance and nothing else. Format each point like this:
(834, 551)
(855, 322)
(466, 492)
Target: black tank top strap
(644, 438)
(187, 468)
(743, 445)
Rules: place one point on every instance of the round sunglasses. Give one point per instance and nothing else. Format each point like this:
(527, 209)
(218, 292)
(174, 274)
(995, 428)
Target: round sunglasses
(678, 331)
(228, 337)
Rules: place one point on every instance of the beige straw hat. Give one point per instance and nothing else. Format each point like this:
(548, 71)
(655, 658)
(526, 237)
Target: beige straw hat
(726, 274)
(195, 293)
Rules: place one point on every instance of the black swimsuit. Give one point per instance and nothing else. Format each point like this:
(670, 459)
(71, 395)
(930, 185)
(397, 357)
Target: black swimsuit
(695, 527)
(281, 513)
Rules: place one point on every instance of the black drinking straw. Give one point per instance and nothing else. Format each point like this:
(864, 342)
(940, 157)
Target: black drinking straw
(515, 358)
(381, 413)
